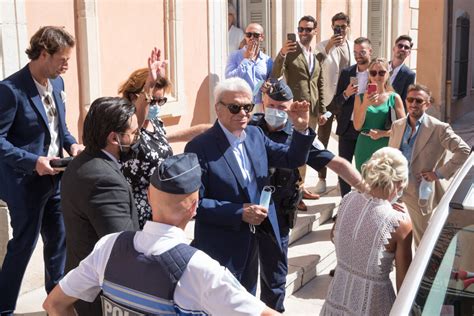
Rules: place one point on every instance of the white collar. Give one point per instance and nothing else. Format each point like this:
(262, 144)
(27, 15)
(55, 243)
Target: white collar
(233, 140)
(160, 229)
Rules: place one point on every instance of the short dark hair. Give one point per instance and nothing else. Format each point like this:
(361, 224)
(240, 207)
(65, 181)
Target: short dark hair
(106, 115)
(50, 38)
(341, 16)
(404, 38)
(308, 18)
(361, 40)
(421, 87)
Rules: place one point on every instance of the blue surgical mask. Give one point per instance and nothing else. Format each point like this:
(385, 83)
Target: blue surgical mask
(275, 118)
(153, 112)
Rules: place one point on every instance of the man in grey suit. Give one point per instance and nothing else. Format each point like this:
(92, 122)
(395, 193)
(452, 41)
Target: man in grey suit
(95, 197)
(400, 75)
(424, 141)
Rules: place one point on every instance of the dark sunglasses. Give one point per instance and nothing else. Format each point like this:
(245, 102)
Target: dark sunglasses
(305, 29)
(405, 47)
(374, 73)
(236, 108)
(417, 100)
(255, 35)
(157, 101)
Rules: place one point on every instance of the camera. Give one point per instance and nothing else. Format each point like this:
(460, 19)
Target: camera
(337, 30)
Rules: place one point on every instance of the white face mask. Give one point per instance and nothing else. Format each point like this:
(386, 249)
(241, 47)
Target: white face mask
(275, 118)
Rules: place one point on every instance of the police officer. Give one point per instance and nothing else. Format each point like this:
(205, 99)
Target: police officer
(275, 124)
(154, 271)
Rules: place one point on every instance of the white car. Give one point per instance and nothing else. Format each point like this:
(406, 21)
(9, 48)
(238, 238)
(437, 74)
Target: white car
(440, 280)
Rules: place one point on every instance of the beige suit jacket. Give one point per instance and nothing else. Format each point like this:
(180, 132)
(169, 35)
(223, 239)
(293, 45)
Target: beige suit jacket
(434, 139)
(304, 85)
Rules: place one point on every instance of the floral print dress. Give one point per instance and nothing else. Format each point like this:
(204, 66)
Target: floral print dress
(153, 149)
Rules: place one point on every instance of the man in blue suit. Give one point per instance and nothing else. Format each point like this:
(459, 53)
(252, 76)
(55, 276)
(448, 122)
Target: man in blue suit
(234, 159)
(32, 133)
(401, 77)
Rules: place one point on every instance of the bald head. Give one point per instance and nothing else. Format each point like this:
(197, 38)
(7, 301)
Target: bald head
(254, 28)
(172, 209)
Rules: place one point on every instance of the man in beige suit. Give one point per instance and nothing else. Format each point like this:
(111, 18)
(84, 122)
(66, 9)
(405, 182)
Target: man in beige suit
(303, 73)
(424, 141)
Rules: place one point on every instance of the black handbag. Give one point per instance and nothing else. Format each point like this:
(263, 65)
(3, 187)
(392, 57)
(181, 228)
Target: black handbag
(391, 117)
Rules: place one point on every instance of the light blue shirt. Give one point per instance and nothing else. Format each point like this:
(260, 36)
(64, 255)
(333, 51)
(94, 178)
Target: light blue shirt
(253, 72)
(240, 154)
(406, 147)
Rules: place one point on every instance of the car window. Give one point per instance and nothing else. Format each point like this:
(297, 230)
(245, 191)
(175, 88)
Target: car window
(447, 287)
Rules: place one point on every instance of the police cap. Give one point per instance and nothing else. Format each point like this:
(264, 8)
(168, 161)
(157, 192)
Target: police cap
(179, 174)
(279, 90)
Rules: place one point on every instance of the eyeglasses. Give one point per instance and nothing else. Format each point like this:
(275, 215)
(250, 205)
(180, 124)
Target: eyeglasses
(49, 104)
(402, 46)
(250, 34)
(305, 29)
(374, 73)
(236, 108)
(418, 101)
(342, 27)
(361, 53)
(158, 101)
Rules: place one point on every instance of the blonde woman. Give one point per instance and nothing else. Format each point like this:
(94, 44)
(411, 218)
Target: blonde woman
(369, 235)
(371, 111)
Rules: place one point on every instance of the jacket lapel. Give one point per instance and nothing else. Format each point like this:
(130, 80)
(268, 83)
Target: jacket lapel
(302, 59)
(224, 146)
(255, 155)
(33, 94)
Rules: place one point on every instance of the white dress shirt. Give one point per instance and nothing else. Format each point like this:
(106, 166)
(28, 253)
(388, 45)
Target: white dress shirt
(52, 115)
(204, 286)
(309, 56)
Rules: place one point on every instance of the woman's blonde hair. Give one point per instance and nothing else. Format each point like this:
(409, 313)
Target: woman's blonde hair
(384, 169)
(136, 81)
(384, 63)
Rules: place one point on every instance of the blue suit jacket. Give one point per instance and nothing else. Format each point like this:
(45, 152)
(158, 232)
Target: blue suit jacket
(24, 133)
(404, 78)
(343, 108)
(219, 229)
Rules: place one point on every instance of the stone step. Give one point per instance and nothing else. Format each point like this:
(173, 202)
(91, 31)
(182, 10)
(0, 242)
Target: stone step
(309, 256)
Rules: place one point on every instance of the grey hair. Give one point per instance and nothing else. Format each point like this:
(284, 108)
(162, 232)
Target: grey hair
(385, 168)
(233, 84)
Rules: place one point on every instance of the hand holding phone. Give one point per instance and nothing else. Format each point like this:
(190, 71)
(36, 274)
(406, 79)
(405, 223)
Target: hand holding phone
(371, 88)
(354, 81)
(291, 37)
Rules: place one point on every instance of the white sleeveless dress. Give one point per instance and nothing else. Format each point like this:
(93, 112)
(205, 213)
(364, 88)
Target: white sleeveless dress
(361, 284)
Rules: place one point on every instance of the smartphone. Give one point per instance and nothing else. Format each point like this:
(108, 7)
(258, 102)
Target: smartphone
(371, 88)
(337, 30)
(354, 81)
(60, 163)
(291, 37)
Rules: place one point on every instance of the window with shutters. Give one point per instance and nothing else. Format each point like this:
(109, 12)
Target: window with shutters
(375, 27)
(461, 56)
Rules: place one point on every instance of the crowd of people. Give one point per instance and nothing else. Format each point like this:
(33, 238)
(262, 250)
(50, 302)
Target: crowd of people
(113, 222)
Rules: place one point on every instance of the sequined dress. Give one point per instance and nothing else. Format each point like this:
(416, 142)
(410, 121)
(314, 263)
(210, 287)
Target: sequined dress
(361, 284)
(153, 149)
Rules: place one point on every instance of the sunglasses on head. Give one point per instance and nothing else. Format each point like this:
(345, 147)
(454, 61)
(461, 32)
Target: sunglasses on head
(305, 29)
(255, 35)
(157, 101)
(374, 73)
(417, 100)
(402, 46)
(236, 108)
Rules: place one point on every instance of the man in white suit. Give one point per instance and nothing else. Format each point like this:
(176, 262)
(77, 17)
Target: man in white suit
(424, 141)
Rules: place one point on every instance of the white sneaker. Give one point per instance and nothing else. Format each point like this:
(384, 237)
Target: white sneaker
(320, 186)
